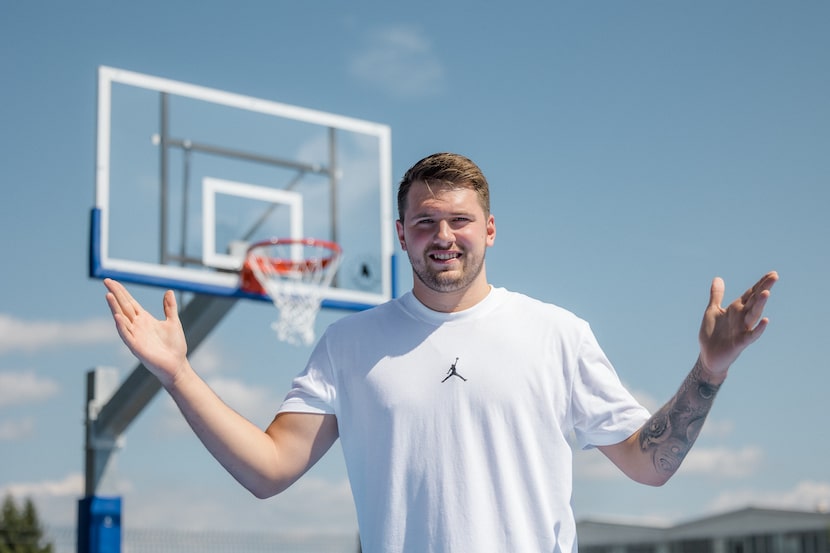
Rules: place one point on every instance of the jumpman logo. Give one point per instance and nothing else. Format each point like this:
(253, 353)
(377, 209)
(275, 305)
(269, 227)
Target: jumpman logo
(453, 372)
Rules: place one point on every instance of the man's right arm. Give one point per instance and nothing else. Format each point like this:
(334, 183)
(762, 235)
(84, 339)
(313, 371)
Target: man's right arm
(266, 463)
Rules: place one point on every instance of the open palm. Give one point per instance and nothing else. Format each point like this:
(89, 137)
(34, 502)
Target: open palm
(726, 332)
(159, 344)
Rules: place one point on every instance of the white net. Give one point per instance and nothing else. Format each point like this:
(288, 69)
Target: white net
(295, 274)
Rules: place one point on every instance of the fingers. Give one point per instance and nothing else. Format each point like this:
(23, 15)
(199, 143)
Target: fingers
(716, 292)
(171, 311)
(724, 333)
(754, 308)
(755, 299)
(758, 330)
(747, 310)
(764, 285)
(120, 301)
(126, 309)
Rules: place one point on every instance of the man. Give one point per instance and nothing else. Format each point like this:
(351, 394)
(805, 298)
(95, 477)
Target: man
(454, 403)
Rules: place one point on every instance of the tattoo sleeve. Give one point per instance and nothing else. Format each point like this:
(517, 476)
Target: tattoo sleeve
(669, 434)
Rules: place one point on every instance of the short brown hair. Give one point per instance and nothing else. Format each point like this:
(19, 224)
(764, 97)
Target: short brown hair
(447, 169)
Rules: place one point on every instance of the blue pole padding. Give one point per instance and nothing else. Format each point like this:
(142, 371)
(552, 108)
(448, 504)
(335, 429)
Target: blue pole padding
(99, 524)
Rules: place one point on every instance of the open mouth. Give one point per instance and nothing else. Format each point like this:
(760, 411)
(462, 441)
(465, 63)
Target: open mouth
(445, 256)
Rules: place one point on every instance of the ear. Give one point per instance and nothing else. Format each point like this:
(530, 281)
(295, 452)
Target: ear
(491, 230)
(401, 238)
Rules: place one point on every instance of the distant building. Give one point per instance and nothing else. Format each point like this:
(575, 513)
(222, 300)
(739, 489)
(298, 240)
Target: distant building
(749, 530)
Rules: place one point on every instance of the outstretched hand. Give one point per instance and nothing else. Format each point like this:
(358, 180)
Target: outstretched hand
(159, 345)
(726, 332)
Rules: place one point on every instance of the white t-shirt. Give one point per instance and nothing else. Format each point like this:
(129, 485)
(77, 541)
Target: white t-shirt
(455, 426)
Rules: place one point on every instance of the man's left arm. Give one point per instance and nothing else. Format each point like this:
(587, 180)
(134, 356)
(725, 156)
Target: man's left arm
(654, 453)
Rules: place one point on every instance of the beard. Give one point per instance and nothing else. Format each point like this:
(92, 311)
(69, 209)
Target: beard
(451, 280)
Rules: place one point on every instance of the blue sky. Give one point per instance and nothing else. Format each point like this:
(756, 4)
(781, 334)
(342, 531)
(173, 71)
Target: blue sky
(635, 150)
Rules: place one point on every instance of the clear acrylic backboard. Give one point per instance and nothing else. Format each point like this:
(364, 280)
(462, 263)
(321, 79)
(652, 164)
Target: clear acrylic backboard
(188, 176)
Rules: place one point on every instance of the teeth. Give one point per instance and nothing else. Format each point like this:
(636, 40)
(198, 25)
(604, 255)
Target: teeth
(445, 256)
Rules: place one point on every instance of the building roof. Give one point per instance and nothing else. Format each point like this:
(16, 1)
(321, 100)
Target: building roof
(742, 522)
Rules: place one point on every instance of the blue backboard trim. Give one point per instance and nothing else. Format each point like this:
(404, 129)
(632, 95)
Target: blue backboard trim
(98, 271)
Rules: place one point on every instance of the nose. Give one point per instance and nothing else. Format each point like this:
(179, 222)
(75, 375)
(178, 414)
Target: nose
(445, 233)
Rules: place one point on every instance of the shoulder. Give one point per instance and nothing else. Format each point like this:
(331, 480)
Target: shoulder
(361, 321)
(529, 306)
(540, 321)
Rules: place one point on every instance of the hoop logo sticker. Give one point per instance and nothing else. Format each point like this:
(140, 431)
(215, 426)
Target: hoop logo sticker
(453, 372)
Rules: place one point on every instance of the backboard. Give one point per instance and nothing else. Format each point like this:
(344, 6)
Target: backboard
(188, 176)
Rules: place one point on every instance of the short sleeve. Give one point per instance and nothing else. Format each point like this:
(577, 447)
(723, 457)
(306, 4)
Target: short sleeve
(603, 411)
(313, 390)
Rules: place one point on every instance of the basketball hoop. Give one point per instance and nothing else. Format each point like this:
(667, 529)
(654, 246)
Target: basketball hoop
(294, 273)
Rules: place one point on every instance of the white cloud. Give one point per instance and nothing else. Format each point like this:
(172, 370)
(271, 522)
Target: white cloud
(254, 403)
(309, 505)
(719, 461)
(806, 495)
(593, 465)
(28, 336)
(723, 462)
(715, 428)
(646, 400)
(207, 359)
(15, 430)
(72, 485)
(56, 500)
(400, 61)
(25, 387)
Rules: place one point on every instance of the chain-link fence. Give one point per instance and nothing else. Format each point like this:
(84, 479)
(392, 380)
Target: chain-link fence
(180, 541)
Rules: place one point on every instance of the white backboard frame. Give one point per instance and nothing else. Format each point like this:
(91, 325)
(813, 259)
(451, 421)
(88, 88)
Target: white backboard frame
(224, 283)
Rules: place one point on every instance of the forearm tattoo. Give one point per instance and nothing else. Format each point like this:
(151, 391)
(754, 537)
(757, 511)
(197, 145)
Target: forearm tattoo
(669, 434)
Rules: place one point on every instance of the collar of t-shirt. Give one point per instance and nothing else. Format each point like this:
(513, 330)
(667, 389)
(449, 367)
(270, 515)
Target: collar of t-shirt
(414, 307)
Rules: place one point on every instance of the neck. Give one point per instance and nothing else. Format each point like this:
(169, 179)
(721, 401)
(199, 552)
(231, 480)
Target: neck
(451, 302)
